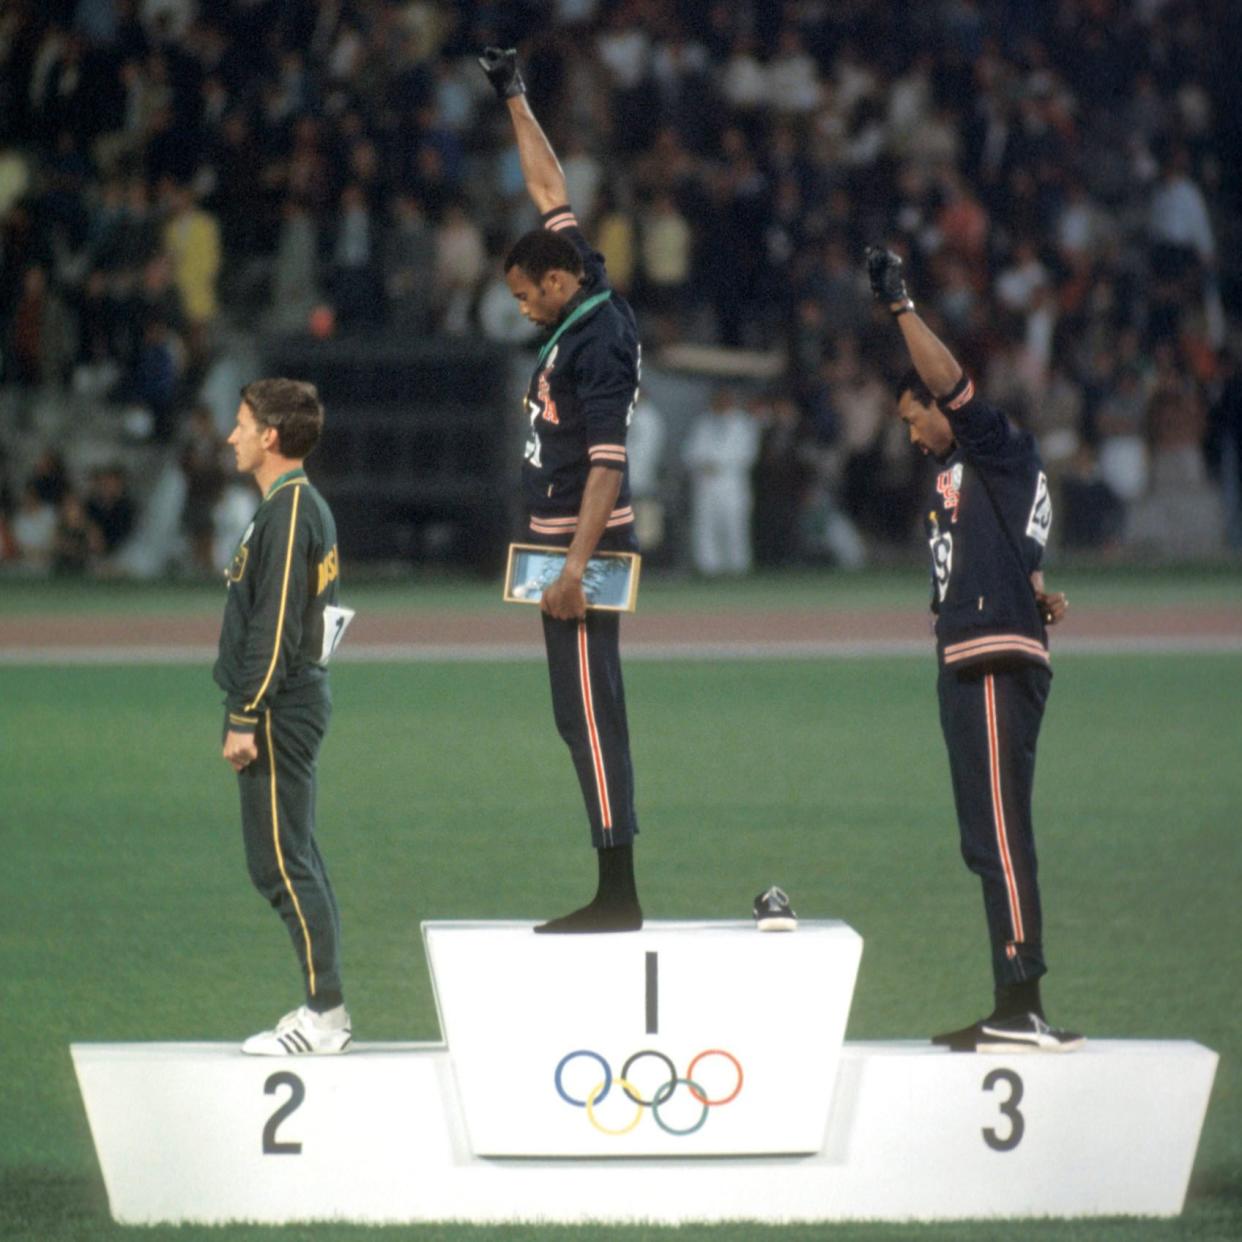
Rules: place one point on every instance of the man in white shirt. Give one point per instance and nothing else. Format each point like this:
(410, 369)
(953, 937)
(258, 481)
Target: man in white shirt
(719, 453)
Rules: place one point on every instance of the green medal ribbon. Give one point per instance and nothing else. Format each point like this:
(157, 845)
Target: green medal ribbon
(589, 305)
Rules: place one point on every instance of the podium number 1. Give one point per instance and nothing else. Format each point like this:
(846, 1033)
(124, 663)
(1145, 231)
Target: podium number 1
(297, 1093)
(653, 993)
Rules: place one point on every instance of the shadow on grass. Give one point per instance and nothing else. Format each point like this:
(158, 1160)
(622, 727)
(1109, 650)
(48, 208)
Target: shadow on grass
(1218, 1187)
(49, 1205)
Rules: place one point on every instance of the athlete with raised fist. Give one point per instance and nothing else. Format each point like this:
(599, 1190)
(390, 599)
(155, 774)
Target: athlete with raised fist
(987, 525)
(576, 488)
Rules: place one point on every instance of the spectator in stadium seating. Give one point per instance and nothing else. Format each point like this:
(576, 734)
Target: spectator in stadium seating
(40, 340)
(295, 270)
(110, 509)
(240, 193)
(1178, 222)
(133, 238)
(192, 243)
(203, 465)
(1224, 444)
(860, 400)
(459, 269)
(99, 333)
(777, 135)
(793, 76)
(665, 250)
(645, 442)
(1180, 514)
(616, 239)
(14, 176)
(154, 384)
(355, 281)
(1091, 516)
(1056, 422)
(782, 477)
(76, 542)
(1120, 425)
(153, 296)
(8, 547)
(50, 477)
(719, 454)
(744, 80)
(34, 530)
(409, 254)
(583, 177)
(1021, 282)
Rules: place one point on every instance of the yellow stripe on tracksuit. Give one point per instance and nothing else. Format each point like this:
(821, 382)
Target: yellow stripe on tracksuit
(284, 599)
(271, 749)
(280, 857)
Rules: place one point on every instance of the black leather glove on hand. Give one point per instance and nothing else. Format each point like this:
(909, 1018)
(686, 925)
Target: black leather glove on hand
(884, 272)
(500, 65)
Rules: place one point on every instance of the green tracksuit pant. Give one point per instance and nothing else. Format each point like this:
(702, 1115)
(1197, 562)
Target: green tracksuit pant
(278, 828)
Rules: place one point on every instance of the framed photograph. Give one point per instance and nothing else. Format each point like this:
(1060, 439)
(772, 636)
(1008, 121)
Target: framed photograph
(610, 581)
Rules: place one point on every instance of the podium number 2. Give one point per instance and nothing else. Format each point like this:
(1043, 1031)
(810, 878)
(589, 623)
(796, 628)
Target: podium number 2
(297, 1093)
(1008, 1108)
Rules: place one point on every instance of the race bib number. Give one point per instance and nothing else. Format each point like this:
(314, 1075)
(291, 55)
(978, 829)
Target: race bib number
(1040, 522)
(942, 561)
(335, 623)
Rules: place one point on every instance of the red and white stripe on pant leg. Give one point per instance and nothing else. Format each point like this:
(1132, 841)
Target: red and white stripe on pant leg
(588, 710)
(998, 814)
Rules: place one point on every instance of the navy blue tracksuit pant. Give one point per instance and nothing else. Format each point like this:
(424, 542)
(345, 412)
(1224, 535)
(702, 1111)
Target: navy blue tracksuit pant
(990, 716)
(588, 702)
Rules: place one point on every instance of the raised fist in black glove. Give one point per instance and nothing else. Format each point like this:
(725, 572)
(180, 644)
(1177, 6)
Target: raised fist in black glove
(500, 65)
(884, 272)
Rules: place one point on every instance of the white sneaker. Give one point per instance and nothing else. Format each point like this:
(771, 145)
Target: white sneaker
(301, 1032)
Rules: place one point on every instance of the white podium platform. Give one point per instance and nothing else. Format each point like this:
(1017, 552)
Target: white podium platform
(741, 1022)
(394, 1133)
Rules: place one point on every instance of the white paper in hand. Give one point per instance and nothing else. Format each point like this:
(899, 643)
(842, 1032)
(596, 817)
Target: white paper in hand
(335, 623)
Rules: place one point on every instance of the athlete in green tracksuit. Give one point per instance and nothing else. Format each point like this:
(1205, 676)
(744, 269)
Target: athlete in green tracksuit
(281, 623)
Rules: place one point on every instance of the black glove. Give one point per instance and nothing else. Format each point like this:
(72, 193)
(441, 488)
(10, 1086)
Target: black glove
(884, 272)
(500, 65)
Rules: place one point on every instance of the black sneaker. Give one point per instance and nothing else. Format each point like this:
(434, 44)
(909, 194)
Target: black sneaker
(773, 912)
(1026, 1032)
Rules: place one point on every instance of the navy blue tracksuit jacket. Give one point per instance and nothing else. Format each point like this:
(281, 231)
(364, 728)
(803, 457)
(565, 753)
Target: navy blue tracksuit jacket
(987, 526)
(579, 403)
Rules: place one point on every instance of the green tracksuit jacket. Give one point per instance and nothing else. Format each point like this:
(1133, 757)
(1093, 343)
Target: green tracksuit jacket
(284, 573)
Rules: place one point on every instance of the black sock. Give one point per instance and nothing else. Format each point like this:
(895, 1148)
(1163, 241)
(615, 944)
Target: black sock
(1013, 999)
(615, 904)
(616, 877)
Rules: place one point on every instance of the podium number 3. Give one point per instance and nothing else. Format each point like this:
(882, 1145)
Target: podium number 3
(297, 1093)
(1008, 1108)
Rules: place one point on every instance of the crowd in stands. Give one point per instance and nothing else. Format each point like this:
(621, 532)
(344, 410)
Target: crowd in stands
(1051, 172)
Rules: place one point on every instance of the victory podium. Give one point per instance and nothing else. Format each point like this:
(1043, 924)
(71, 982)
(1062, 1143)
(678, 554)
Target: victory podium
(687, 1072)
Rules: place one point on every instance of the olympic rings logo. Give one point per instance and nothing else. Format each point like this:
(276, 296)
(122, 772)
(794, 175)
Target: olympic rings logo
(659, 1098)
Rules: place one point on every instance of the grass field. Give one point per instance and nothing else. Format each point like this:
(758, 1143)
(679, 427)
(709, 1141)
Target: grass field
(126, 914)
(813, 590)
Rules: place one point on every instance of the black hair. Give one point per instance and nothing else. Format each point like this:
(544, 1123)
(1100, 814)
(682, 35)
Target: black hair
(912, 383)
(541, 251)
(292, 407)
